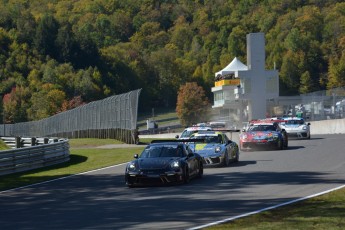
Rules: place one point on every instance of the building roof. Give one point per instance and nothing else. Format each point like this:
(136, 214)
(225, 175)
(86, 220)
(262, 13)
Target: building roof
(235, 65)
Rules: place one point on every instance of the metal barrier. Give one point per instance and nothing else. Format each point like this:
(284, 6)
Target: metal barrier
(28, 158)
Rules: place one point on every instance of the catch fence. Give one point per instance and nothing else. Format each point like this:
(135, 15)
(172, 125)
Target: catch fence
(324, 105)
(315, 106)
(113, 117)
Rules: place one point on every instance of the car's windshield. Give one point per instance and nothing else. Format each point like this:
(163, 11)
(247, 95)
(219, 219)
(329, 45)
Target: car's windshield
(209, 139)
(262, 128)
(187, 134)
(295, 122)
(161, 151)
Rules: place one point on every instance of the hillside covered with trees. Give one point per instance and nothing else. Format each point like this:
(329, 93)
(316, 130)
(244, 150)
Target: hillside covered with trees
(58, 54)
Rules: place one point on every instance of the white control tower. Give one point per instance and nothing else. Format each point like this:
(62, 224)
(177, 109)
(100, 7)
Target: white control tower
(256, 85)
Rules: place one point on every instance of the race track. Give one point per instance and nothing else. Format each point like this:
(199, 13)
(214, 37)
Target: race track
(100, 199)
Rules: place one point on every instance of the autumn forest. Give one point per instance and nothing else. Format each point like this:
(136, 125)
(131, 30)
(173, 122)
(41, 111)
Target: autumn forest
(58, 54)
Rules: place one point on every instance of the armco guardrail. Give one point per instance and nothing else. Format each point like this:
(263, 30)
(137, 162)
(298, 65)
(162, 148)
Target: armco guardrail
(24, 159)
(20, 142)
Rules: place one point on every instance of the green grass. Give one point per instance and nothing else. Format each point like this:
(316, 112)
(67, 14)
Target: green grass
(91, 142)
(3, 146)
(81, 160)
(162, 116)
(322, 212)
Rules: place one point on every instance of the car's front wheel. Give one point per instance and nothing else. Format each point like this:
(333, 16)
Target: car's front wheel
(237, 157)
(280, 144)
(129, 185)
(201, 170)
(186, 177)
(226, 159)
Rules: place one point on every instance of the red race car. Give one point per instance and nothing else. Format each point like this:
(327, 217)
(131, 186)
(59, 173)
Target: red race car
(264, 134)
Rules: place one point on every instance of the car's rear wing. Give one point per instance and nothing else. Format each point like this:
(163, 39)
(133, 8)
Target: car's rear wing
(176, 140)
(226, 130)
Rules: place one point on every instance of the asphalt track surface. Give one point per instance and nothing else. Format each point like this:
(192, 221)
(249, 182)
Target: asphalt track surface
(100, 199)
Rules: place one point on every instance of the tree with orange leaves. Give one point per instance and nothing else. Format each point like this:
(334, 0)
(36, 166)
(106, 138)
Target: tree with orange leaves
(192, 104)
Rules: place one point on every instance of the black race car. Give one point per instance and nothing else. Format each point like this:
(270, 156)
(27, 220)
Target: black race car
(163, 163)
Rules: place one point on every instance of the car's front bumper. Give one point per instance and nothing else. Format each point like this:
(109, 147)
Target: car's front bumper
(151, 177)
(257, 144)
(298, 134)
(215, 160)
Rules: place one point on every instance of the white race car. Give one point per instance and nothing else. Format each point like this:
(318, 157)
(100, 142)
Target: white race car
(296, 127)
(187, 133)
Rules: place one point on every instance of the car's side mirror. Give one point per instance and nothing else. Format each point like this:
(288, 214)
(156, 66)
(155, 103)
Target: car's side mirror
(308, 123)
(177, 136)
(136, 156)
(243, 130)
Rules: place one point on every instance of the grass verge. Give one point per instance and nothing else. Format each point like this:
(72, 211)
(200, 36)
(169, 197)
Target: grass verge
(91, 142)
(322, 212)
(81, 160)
(3, 146)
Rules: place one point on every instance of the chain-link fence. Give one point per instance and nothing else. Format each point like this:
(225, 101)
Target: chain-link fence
(112, 117)
(324, 105)
(319, 105)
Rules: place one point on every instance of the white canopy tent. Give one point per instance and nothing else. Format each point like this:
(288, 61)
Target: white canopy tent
(235, 65)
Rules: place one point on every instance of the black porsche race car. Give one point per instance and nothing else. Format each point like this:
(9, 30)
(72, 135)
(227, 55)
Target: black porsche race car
(163, 163)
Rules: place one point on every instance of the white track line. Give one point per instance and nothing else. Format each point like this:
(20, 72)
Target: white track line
(61, 178)
(265, 209)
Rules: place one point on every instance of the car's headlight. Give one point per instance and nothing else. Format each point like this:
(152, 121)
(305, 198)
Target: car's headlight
(175, 164)
(244, 136)
(304, 128)
(131, 166)
(217, 149)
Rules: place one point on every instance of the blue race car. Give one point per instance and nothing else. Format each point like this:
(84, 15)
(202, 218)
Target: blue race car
(215, 148)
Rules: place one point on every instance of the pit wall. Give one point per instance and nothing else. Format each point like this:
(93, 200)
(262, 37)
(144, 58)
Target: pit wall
(333, 126)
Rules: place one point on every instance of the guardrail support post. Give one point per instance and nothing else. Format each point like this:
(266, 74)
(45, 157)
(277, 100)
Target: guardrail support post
(18, 142)
(33, 141)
